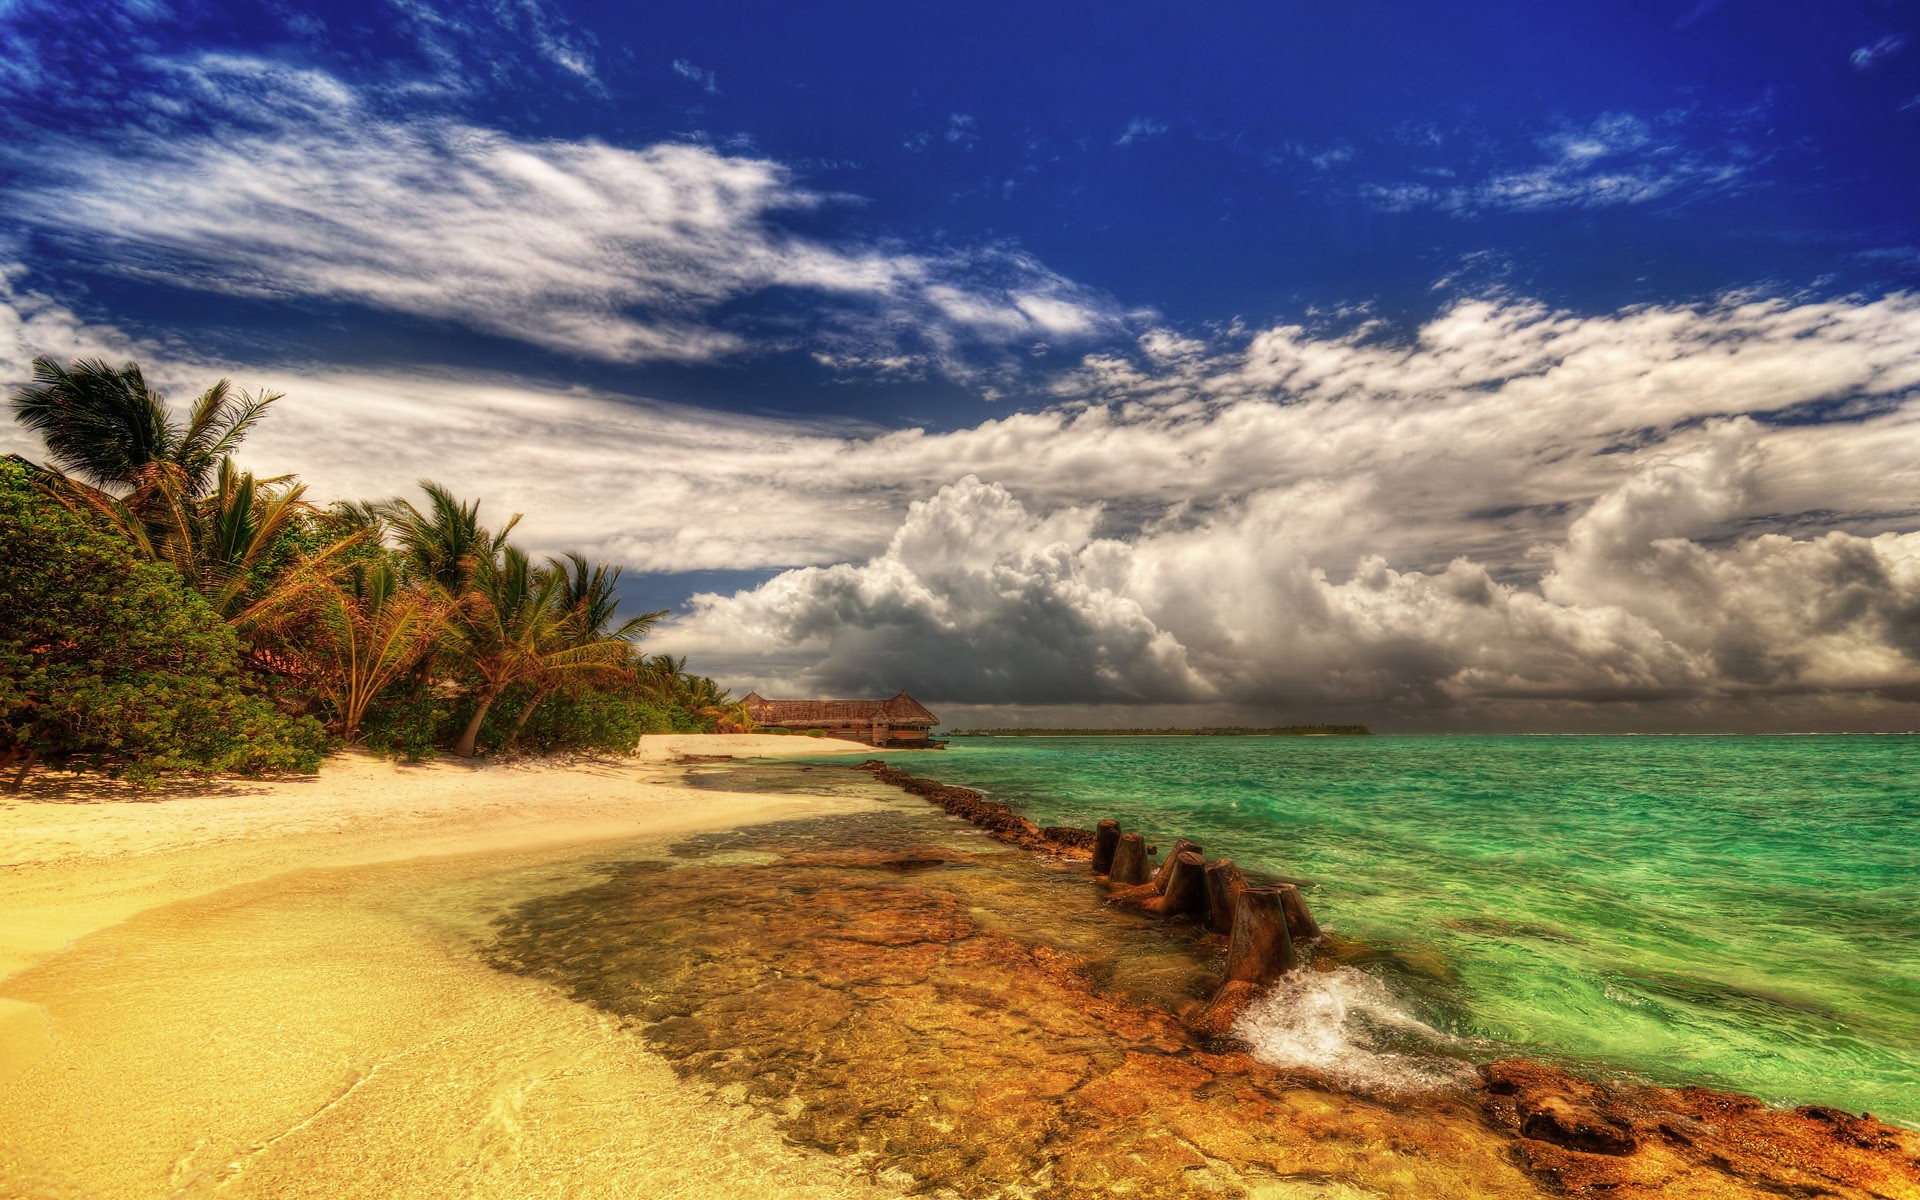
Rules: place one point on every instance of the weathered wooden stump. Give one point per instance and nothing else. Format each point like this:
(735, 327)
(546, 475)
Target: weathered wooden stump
(1224, 882)
(1106, 839)
(1180, 847)
(1300, 922)
(1259, 952)
(1129, 861)
(1185, 894)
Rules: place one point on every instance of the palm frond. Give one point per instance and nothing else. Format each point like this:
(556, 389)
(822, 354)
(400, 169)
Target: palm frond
(99, 422)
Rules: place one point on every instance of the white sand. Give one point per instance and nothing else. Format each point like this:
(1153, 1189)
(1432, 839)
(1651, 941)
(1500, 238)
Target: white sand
(270, 989)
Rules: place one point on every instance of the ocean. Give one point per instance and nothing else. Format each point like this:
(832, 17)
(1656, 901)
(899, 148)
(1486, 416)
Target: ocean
(1737, 912)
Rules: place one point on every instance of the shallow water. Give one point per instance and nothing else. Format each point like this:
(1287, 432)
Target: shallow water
(1734, 911)
(973, 1019)
(336, 1032)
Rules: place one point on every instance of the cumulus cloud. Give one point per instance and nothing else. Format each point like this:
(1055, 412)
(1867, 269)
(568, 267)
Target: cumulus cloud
(1514, 514)
(975, 598)
(304, 187)
(979, 601)
(1509, 514)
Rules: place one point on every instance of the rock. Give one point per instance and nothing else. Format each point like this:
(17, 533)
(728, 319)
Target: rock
(1576, 1127)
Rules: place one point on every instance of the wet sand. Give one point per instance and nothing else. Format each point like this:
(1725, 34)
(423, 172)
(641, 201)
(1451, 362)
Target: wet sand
(725, 979)
(273, 989)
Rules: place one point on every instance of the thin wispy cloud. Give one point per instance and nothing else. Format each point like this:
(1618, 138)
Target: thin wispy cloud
(708, 80)
(963, 130)
(1615, 160)
(1140, 129)
(1869, 56)
(459, 35)
(306, 188)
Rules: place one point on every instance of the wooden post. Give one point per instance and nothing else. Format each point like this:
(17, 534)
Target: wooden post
(1186, 893)
(1186, 887)
(1180, 847)
(1300, 922)
(1224, 882)
(1259, 953)
(1129, 860)
(1106, 839)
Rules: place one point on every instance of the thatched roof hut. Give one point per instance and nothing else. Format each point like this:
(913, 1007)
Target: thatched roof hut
(899, 720)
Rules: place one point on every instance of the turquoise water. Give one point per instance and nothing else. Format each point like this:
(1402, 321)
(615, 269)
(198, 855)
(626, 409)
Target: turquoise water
(1732, 911)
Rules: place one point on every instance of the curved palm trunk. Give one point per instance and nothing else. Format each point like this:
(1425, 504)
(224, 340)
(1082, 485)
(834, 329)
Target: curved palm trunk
(520, 722)
(465, 747)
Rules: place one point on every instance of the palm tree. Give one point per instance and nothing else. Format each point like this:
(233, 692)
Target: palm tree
(220, 543)
(586, 601)
(445, 544)
(106, 426)
(666, 679)
(507, 627)
(358, 631)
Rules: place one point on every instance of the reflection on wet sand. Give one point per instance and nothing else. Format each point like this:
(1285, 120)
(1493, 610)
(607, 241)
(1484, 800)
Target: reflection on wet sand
(333, 1034)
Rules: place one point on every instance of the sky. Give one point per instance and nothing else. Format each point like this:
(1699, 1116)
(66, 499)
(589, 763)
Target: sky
(1480, 366)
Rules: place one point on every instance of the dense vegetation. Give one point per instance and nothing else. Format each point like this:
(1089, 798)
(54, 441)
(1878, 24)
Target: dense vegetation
(1203, 731)
(163, 610)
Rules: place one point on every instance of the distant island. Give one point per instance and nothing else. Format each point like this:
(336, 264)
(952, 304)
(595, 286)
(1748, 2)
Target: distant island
(1202, 731)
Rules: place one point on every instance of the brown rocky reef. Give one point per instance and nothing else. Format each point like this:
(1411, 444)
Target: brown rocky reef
(1570, 1135)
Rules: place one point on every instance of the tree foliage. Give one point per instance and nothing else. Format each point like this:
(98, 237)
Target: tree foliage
(108, 660)
(105, 425)
(187, 589)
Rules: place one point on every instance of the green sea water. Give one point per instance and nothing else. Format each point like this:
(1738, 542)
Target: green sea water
(1732, 911)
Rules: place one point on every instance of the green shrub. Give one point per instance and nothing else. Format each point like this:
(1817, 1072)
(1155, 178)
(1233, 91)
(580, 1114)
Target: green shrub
(816, 733)
(593, 721)
(110, 661)
(407, 721)
(779, 730)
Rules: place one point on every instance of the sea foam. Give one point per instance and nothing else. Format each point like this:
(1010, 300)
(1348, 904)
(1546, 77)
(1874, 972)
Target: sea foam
(1344, 1025)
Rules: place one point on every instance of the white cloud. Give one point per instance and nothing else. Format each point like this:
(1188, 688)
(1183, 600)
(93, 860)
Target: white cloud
(1616, 159)
(1868, 57)
(708, 80)
(974, 597)
(1511, 514)
(963, 130)
(1516, 515)
(979, 601)
(305, 189)
(1139, 130)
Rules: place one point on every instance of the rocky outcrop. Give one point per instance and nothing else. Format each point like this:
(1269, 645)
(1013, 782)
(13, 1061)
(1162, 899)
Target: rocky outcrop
(1592, 1137)
(1222, 1120)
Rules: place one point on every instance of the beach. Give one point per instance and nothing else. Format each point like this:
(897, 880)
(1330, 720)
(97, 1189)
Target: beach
(718, 969)
(263, 988)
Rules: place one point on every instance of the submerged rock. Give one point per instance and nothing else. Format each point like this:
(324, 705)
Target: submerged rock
(1629, 1139)
(967, 1017)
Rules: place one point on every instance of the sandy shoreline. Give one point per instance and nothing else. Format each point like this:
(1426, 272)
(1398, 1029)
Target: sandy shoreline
(76, 857)
(266, 986)
(450, 981)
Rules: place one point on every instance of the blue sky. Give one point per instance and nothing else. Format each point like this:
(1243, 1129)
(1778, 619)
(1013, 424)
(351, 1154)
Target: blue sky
(937, 348)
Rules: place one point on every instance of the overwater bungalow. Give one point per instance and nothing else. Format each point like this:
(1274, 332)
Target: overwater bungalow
(898, 721)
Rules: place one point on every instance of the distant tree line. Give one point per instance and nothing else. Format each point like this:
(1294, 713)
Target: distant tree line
(162, 609)
(1199, 731)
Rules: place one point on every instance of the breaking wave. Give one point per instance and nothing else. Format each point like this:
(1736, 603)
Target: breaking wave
(1344, 1025)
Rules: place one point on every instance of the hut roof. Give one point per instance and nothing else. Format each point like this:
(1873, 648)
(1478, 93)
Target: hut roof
(900, 709)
